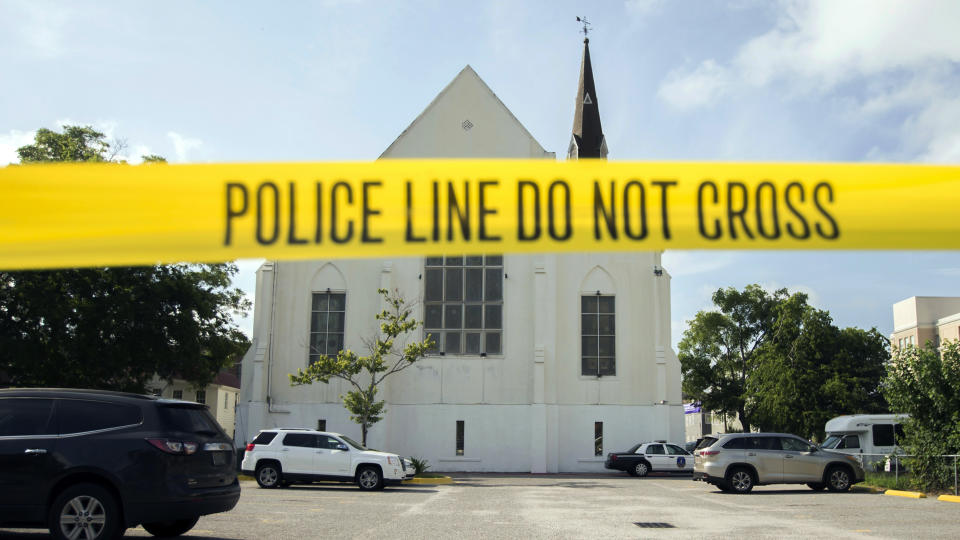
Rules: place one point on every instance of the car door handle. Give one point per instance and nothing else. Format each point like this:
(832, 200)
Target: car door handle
(285, 450)
(751, 453)
(788, 457)
(35, 451)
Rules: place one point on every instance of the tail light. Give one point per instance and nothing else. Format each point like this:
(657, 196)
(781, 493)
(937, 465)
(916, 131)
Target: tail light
(709, 452)
(250, 447)
(613, 457)
(174, 447)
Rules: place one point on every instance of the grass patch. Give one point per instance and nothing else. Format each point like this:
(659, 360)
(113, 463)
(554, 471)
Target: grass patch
(889, 480)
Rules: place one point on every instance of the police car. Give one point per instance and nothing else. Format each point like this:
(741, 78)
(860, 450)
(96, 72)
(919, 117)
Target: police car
(657, 456)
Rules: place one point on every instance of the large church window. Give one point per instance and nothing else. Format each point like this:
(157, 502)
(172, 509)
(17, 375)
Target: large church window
(598, 336)
(463, 304)
(326, 324)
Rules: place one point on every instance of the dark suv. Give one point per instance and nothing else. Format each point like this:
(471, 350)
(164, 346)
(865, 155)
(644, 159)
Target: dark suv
(89, 464)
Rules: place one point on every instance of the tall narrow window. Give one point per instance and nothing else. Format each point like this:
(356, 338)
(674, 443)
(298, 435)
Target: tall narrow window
(201, 396)
(326, 324)
(598, 337)
(178, 394)
(322, 424)
(463, 304)
(459, 437)
(598, 438)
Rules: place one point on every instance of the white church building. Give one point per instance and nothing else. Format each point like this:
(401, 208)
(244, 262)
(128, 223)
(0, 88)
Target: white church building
(544, 363)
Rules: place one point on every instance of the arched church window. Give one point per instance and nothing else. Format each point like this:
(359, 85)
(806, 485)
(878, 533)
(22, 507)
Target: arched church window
(598, 335)
(463, 304)
(326, 324)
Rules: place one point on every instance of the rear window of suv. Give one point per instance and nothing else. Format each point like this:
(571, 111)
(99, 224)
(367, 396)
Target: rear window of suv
(189, 420)
(82, 416)
(739, 443)
(705, 442)
(265, 437)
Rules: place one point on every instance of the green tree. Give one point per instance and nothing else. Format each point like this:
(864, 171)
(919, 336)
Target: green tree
(390, 352)
(114, 328)
(717, 350)
(925, 383)
(810, 371)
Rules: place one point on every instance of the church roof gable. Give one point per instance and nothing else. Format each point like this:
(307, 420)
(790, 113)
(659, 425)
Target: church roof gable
(466, 120)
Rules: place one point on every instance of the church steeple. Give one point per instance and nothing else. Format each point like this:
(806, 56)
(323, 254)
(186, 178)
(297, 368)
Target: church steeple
(588, 140)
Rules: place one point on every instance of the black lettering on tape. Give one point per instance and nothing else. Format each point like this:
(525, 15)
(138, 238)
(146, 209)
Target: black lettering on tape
(267, 240)
(292, 229)
(234, 212)
(484, 211)
(738, 213)
(334, 235)
(318, 234)
(803, 221)
(463, 214)
(551, 204)
(642, 210)
(365, 235)
(835, 232)
(527, 185)
(610, 218)
(718, 228)
(409, 216)
(773, 211)
(664, 207)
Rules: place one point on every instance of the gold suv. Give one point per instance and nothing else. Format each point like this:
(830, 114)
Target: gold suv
(736, 462)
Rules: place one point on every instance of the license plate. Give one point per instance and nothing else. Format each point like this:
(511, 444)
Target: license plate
(219, 458)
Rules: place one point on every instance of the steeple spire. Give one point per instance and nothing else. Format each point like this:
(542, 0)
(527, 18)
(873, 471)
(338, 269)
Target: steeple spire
(588, 140)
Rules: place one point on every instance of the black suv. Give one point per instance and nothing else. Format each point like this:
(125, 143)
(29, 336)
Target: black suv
(89, 464)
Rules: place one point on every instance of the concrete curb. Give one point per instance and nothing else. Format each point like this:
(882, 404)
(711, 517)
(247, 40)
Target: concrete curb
(435, 481)
(949, 498)
(908, 494)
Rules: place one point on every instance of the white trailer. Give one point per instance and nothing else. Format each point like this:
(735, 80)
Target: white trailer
(871, 436)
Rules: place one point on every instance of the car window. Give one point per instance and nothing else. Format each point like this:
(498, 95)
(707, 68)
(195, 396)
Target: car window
(706, 442)
(794, 445)
(304, 440)
(674, 450)
(883, 435)
(353, 443)
(265, 437)
(850, 441)
(764, 443)
(328, 442)
(739, 443)
(81, 416)
(26, 416)
(831, 441)
(189, 419)
(655, 449)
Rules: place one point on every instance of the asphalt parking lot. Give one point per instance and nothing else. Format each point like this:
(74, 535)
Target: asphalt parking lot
(567, 506)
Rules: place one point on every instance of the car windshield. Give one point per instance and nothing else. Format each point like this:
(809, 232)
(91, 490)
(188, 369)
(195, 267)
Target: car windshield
(831, 441)
(354, 443)
(706, 442)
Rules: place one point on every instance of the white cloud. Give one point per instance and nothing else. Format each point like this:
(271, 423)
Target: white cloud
(689, 89)
(904, 53)
(182, 145)
(10, 141)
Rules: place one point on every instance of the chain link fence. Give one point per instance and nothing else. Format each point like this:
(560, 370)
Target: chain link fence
(892, 464)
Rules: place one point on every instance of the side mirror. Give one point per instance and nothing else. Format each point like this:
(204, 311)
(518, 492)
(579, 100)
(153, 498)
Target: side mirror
(343, 447)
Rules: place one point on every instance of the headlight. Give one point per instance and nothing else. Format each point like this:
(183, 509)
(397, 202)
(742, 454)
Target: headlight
(392, 460)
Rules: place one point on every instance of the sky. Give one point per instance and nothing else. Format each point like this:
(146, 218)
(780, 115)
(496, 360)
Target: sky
(734, 80)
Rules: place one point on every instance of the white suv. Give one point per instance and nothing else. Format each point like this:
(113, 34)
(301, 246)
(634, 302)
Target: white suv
(280, 457)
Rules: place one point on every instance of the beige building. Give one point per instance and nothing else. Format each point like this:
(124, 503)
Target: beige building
(920, 319)
(220, 396)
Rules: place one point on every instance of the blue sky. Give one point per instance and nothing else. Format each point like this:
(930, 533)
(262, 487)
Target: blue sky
(731, 80)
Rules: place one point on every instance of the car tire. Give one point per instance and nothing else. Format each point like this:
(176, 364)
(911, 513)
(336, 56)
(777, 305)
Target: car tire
(170, 529)
(88, 507)
(269, 475)
(724, 487)
(369, 478)
(838, 479)
(817, 486)
(641, 469)
(740, 480)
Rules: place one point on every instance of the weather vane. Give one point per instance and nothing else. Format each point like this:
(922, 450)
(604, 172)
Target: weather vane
(586, 25)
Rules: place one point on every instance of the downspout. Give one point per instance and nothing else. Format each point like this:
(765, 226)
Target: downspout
(273, 311)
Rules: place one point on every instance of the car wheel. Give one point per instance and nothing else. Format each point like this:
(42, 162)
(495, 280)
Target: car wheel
(170, 529)
(740, 480)
(369, 478)
(269, 475)
(641, 469)
(838, 479)
(85, 511)
(817, 486)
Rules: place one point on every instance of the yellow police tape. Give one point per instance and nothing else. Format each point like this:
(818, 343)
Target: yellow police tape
(109, 214)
